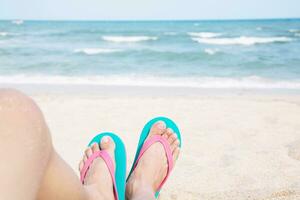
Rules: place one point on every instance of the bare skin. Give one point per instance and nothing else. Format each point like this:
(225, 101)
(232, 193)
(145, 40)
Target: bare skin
(98, 180)
(33, 170)
(152, 167)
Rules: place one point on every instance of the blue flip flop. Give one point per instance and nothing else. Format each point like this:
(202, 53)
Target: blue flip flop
(118, 173)
(144, 145)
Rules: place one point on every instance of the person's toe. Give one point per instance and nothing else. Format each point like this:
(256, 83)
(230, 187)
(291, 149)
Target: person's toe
(158, 128)
(95, 147)
(88, 152)
(175, 144)
(169, 131)
(108, 145)
(172, 138)
(165, 135)
(176, 154)
(84, 158)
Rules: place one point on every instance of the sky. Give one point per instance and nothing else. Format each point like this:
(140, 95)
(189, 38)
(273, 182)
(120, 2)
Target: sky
(147, 9)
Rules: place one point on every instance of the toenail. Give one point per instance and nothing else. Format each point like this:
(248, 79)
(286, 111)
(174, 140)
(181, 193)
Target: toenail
(105, 139)
(161, 125)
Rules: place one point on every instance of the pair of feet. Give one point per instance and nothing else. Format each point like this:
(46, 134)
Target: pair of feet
(148, 174)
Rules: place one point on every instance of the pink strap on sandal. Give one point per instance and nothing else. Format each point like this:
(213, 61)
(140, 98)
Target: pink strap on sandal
(107, 159)
(166, 145)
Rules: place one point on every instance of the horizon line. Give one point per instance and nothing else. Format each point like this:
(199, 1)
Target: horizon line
(112, 20)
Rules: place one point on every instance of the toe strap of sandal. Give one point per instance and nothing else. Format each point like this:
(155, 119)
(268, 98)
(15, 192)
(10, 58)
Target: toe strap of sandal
(110, 165)
(168, 151)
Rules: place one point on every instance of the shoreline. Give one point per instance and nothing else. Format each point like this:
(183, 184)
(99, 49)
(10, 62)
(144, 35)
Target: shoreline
(145, 91)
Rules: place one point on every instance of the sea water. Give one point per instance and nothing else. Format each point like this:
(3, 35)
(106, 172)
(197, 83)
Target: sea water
(203, 54)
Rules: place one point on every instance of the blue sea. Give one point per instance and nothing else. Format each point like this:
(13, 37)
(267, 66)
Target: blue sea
(203, 54)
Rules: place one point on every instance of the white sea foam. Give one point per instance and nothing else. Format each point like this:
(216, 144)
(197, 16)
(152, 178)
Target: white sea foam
(259, 28)
(241, 40)
(204, 34)
(294, 31)
(211, 51)
(128, 38)
(94, 51)
(126, 80)
(17, 22)
(3, 34)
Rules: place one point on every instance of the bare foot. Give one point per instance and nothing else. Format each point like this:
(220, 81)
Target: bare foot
(98, 182)
(152, 167)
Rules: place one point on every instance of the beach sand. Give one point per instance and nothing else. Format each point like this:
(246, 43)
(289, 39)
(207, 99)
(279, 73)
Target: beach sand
(236, 145)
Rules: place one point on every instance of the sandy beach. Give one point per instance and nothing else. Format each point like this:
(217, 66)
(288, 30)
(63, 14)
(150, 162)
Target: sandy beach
(236, 145)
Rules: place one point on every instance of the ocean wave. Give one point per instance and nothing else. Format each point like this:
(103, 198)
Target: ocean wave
(204, 34)
(211, 51)
(8, 34)
(294, 31)
(3, 34)
(128, 38)
(242, 40)
(252, 82)
(95, 51)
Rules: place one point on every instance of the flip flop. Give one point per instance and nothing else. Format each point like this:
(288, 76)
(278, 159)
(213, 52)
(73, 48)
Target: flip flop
(118, 174)
(144, 145)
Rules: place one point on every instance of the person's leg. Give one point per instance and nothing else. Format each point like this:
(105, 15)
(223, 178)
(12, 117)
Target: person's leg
(152, 167)
(30, 168)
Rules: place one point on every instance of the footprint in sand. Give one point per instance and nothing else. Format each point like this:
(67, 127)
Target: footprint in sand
(294, 150)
